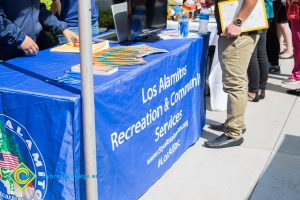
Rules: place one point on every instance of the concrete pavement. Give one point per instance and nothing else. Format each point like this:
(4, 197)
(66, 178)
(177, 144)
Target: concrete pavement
(266, 166)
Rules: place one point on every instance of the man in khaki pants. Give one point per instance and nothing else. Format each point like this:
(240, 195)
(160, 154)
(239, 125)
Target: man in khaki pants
(235, 50)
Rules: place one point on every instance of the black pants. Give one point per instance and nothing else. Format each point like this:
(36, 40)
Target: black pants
(258, 69)
(273, 47)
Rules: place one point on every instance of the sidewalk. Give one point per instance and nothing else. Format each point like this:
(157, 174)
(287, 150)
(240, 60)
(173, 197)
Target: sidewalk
(266, 166)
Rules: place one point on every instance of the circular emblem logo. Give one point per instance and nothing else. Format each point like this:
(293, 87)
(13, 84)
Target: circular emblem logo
(23, 172)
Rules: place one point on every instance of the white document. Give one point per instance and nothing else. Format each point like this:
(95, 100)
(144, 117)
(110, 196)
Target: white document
(256, 21)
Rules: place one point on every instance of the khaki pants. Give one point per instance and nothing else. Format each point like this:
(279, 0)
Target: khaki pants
(234, 55)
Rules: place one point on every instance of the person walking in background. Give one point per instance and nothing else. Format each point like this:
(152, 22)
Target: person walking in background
(22, 25)
(273, 47)
(295, 25)
(235, 50)
(258, 69)
(67, 11)
(284, 33)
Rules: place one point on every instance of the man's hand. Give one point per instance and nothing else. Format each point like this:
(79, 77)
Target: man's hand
(29, 46)
(56, 7)
(231, 31)
(69, 35)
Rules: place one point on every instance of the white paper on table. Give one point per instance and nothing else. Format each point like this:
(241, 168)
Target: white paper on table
(256, 21)
(173, 34)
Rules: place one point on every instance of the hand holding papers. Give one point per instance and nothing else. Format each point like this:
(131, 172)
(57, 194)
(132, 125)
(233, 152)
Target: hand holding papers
(256, 21)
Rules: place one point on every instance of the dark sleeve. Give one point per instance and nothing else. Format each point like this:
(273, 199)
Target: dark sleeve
(10, 34)
(50, 22)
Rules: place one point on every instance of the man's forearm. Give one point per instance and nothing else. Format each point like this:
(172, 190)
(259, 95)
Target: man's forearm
(49, 21)
(246, 9)
(10, 34)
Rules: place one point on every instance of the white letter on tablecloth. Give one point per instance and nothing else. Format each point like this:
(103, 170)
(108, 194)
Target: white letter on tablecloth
(19, 131)
(143, 96)
(29, 144)
(36, 159)
(42, 184)
(113, 138)
(9, 125)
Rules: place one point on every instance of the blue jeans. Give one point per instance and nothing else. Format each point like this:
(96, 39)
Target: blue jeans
(62, 39)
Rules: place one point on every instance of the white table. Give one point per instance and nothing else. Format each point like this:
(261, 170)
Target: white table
(218, 98)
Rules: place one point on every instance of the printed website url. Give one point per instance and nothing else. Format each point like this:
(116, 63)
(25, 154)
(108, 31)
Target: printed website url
(71, 176)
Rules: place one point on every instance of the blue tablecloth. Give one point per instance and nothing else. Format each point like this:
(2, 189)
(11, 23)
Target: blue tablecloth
(146, 117)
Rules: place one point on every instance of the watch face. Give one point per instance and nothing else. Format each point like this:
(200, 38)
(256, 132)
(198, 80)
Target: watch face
(238, 22)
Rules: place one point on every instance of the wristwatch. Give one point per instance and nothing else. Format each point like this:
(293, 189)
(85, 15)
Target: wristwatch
(238, 22)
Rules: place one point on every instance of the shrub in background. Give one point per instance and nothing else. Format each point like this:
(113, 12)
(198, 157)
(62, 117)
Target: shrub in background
(106, 19)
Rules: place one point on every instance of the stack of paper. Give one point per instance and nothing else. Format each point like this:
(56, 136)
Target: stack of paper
(97, 69)
(68, 48)
(125, 55)
(106, 60)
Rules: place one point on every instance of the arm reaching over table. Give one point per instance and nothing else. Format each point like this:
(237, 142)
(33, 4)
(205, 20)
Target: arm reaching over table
(49, 21)
(69, 35)
(58, 27)
(10, 34)
(23, 25)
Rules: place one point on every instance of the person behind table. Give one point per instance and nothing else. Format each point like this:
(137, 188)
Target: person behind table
(67, 11)
(21, 28)
(235, 50)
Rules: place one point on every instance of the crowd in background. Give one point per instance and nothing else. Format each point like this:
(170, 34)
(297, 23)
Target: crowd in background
(280, 41)
(254, 53)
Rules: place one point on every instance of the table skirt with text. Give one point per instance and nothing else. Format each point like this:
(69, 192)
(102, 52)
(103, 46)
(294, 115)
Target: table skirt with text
(146, 117)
